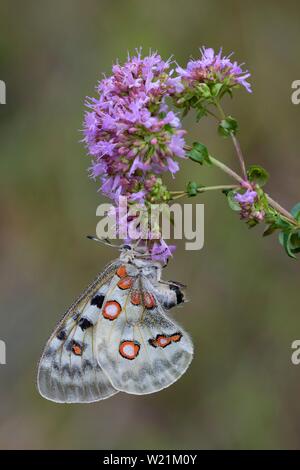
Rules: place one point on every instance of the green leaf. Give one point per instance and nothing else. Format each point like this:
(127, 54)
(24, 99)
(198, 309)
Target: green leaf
(199, 153)
(229, 91)
(290, 240)
(233, 204)
(228, 126)
(258, 174)
(269, 230)
(191, 188)
(204, 90)
(252, 223)
(216, 88)
(278, 222)
(295, 240)
(200, 113)
(275, 222)
(285, 238)
(295, 211)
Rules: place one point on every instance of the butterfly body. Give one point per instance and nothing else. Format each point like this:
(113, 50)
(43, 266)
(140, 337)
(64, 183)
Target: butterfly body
(117, 336)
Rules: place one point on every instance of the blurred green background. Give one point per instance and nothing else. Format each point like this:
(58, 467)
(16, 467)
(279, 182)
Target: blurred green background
(241, 390)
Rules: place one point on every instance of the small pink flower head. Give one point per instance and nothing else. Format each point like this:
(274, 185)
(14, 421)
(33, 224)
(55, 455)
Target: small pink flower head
(212, 67)
(250, 203)
(248, 197)
(259, 215)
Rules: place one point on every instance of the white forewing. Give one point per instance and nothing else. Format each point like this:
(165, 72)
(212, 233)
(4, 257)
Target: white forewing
(68, 370)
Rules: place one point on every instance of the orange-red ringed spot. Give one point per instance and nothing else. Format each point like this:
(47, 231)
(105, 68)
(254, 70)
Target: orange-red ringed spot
(125, 283)
(149, 301)
(121, 271)
(111, 310)
(164, 340)
(136, 297)
(129, 349)
(176, 337)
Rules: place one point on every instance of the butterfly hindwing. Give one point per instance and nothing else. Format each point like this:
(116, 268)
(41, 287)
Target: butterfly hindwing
(68, 370)
(139, 347)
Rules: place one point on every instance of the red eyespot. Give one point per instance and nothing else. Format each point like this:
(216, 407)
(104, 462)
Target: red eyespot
(136, 297)
(111, 310)
(161, 341)
(149, 300)
(77, 349)
(121, 271)
(125, 283)
(176, 337)
(129, 349)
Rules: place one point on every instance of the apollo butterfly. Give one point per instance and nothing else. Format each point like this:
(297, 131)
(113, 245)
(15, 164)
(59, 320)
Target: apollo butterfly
(117, 336)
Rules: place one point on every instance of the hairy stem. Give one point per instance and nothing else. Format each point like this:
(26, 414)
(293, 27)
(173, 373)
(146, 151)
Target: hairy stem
(226, 169)
(240, 155)
(281, 210)
(235, 143)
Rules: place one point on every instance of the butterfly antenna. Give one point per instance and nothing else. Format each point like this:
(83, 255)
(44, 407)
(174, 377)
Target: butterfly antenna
(104, 241)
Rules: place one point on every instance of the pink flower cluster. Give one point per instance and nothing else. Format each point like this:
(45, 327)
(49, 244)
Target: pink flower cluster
(130, 133)
(133, 136)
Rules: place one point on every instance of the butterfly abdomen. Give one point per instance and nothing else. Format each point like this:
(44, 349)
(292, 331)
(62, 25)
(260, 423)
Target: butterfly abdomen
(180, 297)
(170, 294)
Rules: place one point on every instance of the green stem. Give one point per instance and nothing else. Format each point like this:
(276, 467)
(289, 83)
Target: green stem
(235, 143)
(226, 169)
(219, 187)
(220, 109)
(271, 201)
(240, 155)
(282, 210)
(179, 194)
(286, 214)
(213, 114)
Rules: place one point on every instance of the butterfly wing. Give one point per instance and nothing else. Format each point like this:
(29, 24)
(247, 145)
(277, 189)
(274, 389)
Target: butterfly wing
(68, 371)
(140, 348)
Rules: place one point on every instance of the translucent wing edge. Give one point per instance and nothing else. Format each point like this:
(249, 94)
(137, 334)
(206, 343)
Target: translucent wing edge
(104, 275)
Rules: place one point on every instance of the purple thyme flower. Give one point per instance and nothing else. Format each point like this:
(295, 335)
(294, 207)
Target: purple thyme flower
(249, 203)
(216, 68)
(129, 131)
(161, 251)
(247, 198)
(133, 137)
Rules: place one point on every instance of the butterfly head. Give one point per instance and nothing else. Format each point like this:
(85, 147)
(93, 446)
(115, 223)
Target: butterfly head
(141, 259)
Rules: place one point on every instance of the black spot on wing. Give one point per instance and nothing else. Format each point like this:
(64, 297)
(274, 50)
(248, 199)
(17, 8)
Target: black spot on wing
(61, 335)
(84, 323)
(98, 300)
(178, 292)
